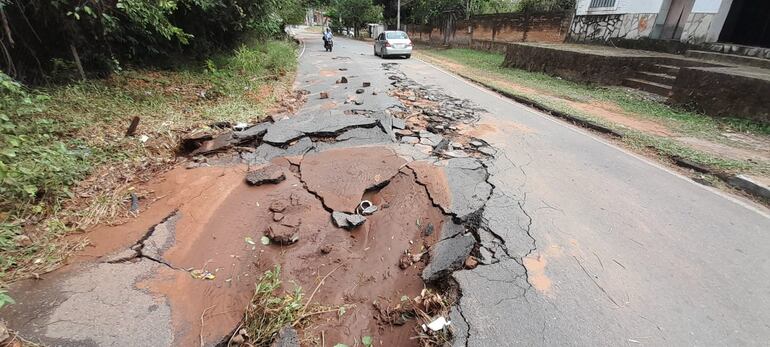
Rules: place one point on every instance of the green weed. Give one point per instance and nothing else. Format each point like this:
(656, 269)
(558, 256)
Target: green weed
(52, 138)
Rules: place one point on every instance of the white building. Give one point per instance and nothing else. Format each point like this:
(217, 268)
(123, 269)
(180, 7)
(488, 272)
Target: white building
(743, 22)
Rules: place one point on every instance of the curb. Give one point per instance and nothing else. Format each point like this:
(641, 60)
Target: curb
(749, 185)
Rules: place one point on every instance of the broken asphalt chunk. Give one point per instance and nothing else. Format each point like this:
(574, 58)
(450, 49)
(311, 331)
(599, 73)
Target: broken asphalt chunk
(282, 234)
(287, 337)
(347, 220)
(270, 174)
(447, 256)
(323, 123)
(399, 123)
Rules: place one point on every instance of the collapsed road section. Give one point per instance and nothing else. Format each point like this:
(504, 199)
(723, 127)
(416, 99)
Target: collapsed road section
(358, 208)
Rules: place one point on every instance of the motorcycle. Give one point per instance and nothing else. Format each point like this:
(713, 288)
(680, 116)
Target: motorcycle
(328, 44)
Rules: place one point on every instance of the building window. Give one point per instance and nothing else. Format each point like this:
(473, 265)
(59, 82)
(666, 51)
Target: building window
(601, 4)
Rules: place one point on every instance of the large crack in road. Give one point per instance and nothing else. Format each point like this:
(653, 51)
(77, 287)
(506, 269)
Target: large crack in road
(411, 159)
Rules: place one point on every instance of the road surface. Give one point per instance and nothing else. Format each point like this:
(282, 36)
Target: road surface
(604, 247)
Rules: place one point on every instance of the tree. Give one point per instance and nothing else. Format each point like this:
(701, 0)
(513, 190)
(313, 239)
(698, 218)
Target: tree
(355, 13)
(38, 37)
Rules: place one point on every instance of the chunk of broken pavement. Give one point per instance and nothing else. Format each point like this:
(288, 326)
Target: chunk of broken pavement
(399, 123)
(277, 206)
(410, 139)
(282, 234)
(447, 256)
(270, 174)
(287, 337)
(346, 220)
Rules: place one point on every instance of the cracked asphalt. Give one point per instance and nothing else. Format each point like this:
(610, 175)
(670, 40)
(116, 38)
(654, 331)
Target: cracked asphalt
(578, 242)
(602, 246)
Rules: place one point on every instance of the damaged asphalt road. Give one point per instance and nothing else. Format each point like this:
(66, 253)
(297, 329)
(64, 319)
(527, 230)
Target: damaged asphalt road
(538, 233)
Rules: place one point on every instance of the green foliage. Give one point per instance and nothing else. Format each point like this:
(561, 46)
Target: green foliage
(268, 312)
(105, 33)
(354, 13)
(36, 167)
(5, 299)
(52, 138)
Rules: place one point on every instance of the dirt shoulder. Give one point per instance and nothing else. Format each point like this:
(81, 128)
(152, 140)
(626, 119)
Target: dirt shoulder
(721, 147)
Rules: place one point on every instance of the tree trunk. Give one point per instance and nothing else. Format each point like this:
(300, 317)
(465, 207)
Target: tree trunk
(76, 56)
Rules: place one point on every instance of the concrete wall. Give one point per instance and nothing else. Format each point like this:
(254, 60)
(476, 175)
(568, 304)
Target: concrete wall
(487, 31)
(722, 91)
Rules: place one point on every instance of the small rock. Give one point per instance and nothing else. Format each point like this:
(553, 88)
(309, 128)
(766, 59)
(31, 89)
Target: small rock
(355, 220)
(326, 249)
(359, 102)
(410, 140)
(342, 80)
(287, 337)
(471, 262)
(405, 261)
(277, 206)
(374, 93)
(343, 69)
(359, 91)
(324, 95)
(404, 132)
(271, 174)
(428, 230)
(340, 219)
(282, 234)
(346, 220)
(367, 84)
(277, 217)
(476, 143)
(22, 240)
(291, 221)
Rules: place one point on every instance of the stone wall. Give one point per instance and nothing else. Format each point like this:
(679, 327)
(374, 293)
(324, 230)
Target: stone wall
(611, 26)
(490, 32)
(697, 27)
(722, 91)
(606, 27)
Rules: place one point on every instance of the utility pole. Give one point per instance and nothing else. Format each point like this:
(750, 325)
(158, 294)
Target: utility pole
(398, 16)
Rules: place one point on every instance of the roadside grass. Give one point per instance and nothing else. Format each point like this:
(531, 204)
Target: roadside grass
(66, 164)
(271, 308)
(486, 67)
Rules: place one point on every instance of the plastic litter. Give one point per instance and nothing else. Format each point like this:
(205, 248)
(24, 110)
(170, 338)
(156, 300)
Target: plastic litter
(437, 324)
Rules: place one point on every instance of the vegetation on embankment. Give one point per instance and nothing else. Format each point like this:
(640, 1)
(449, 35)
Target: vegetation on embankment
(646, 123)
(66, 164)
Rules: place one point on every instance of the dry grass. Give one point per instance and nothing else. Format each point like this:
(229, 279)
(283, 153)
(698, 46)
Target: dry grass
(270, 310)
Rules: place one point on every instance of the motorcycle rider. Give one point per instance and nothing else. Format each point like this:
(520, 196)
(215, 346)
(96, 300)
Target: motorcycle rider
(327, 36)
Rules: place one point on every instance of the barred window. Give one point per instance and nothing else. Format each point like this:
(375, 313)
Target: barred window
(601, 3)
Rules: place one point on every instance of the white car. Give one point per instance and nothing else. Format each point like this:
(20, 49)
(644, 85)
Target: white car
(393, 43)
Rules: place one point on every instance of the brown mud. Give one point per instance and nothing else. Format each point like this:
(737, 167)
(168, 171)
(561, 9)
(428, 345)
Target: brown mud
(221, 221)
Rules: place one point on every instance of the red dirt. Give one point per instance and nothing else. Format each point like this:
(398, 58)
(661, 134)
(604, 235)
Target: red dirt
(218, 210)
(340, 176)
